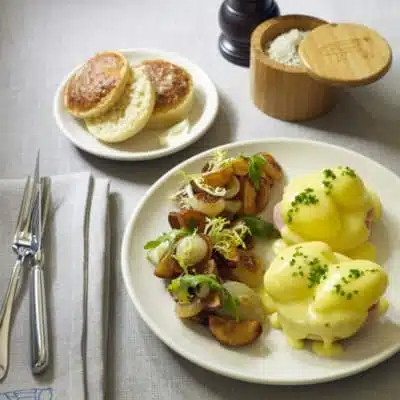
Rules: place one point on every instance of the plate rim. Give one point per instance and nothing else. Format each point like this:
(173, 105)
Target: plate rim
(211, 93)
(125, 247)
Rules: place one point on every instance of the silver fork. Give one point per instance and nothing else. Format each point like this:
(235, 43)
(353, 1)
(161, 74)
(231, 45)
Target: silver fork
(38, 308)
(22, 247)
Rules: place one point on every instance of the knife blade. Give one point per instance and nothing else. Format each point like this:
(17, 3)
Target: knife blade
(38, 305)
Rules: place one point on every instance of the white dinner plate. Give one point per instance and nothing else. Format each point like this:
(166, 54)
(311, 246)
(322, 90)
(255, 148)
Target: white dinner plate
(269, 360)
(147, 144)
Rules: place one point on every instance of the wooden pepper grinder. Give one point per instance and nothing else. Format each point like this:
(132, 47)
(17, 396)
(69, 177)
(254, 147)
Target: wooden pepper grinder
(237, 20)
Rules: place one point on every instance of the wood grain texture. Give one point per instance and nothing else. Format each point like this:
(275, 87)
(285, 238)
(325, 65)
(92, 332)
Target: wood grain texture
(282, 91)
(345, 54)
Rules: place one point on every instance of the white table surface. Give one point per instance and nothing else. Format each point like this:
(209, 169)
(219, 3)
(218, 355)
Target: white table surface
(42, 40)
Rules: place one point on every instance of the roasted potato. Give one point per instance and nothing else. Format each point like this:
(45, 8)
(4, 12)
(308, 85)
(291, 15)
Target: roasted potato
(240, 166)
(250, 304)
(218, 178)
(249, 270)
(248, 195)
(263, 194)
(234, 333)
(189, 310)
(272, 168)
(168, 267)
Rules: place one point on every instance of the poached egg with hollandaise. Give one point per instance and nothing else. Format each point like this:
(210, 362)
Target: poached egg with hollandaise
(333, 206)
(321, 295)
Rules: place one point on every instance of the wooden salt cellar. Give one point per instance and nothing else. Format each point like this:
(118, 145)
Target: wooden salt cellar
(333, 55)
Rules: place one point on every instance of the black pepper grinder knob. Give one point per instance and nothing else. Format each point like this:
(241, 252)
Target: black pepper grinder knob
(237, 20)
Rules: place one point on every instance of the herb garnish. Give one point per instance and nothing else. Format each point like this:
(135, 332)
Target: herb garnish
(261, 228)
(170, 236)
(317, 272)
(354, 273)
(184, 288)
(348, 171)
(306, 197)
(329, 177)
(256, 167)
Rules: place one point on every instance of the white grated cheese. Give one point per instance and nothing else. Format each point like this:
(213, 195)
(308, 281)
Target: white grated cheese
(284, 48)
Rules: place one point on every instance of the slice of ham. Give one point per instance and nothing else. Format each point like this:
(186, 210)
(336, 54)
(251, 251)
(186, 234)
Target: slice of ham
(276, 217)
(369, 219)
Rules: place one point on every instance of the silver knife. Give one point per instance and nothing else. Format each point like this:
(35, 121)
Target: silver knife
(38, 305)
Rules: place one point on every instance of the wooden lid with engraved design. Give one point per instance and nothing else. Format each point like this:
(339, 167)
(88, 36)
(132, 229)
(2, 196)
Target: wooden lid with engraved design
(345, 54)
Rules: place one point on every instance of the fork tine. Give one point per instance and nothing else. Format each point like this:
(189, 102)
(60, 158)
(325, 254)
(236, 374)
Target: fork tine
(33, 194)
(35, 216)
(45, 200)
(24, 202)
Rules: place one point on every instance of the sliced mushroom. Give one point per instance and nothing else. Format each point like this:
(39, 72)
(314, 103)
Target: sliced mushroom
(219, 178)
(232, 188)
(234, 333)
(210, 268)
(249, 242)
(263, 194)
(240, 166)
(173, 219)
(247, 260)
(168, 267)
(200, 186)
(233, 206)
(272, 168)
(201, 318)
(212, 302)
(207, 204)
(222, 262)
(248, 195)
(187, 219)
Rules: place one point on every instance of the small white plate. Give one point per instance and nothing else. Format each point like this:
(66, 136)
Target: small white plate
(146, 144)
(270, 360)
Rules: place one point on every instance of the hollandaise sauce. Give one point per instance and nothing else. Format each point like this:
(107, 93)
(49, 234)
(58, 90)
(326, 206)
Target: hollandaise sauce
(321, 295)
(295, 343)
(274, 320)
(383, 306)
(333, 206)
(327, 349)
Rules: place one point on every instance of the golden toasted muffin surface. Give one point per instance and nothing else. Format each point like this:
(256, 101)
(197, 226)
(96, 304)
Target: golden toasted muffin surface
(94, 81)
(171, 82)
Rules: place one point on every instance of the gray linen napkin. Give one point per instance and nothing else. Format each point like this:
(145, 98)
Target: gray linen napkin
(77, 265)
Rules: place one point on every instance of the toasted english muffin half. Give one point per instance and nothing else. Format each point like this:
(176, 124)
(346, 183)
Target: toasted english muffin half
(174, 93)
(130, 114)
(97, 85)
